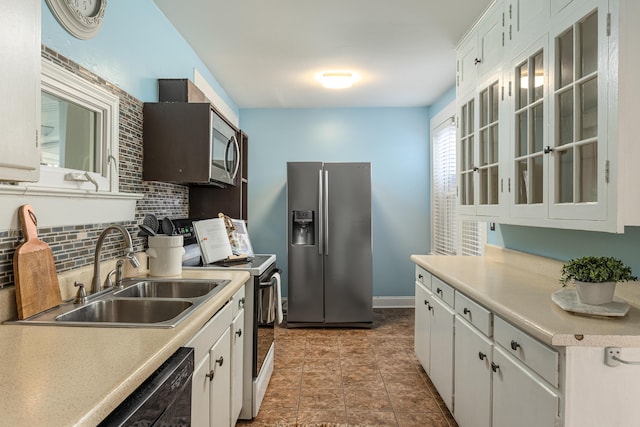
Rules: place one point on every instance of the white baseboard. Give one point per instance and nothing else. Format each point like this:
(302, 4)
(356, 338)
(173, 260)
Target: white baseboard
(380, 302)
(394, 302)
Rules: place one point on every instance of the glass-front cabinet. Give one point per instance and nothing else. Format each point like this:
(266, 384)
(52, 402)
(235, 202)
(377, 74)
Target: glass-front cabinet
(529, 134)
(548, 137)
(579, 158)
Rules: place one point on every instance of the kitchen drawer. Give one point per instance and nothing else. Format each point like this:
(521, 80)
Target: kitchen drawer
(475, 314)
(423, 276)
(537, 356)
(442, 291)
(237, 302)
(210, 332)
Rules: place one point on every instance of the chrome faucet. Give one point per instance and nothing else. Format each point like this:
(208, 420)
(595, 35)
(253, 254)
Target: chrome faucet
(95, 282)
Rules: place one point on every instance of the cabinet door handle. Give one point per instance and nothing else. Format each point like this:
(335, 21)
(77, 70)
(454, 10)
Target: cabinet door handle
(241, 302)
(494, 367)
(514, 345)
(481, 355)
(220, 360)
(547, 149)
(420, 276)
(426, 302)
(477, 61)
(210, 375)
(239, 332)
(439, 291)
(466, 311)
(430, 307)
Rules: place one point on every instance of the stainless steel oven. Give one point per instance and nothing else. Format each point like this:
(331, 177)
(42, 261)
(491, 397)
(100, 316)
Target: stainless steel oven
(259, 305)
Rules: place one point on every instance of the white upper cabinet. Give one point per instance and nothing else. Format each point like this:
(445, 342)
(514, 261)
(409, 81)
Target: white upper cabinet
(567, 131)
(20, 87)
(479, 110)
(527, 21)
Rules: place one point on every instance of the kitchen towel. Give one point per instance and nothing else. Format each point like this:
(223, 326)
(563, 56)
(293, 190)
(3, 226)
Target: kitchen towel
(278, 286)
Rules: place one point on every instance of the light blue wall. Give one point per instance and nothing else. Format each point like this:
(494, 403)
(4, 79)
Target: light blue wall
(394, 140)
(135, 46)
(567, 244)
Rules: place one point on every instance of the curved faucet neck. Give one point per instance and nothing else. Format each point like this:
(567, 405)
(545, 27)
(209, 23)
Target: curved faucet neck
(95, 282)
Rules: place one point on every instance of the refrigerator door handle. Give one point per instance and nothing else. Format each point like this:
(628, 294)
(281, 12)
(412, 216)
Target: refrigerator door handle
(326, 213)
(320, 222)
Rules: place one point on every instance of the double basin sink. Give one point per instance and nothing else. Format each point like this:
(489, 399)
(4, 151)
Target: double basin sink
(153, 303)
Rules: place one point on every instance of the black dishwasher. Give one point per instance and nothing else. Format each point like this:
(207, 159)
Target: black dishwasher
(164, 399)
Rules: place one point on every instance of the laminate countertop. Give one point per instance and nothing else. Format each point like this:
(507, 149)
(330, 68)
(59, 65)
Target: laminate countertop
(518, 288)
(64, 376)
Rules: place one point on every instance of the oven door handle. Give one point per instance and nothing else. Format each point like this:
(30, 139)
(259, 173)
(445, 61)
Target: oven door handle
(268, 284)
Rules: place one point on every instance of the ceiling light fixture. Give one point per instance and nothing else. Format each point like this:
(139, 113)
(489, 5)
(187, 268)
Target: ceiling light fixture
(337, 79)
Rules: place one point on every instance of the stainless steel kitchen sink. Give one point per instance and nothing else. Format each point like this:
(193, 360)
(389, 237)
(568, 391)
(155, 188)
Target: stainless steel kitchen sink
(167, 288)
(143, 303)
(127, 311)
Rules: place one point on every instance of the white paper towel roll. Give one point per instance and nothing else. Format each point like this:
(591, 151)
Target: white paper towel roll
(278, 298)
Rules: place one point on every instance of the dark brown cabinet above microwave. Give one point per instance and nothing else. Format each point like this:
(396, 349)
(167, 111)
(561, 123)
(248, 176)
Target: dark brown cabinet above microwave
(189, 143)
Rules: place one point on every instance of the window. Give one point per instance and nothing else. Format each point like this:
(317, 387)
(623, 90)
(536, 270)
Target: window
(450, 236)
(78, 146)
(79, 133)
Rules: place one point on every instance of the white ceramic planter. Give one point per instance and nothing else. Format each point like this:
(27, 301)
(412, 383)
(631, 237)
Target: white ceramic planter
(595, 293)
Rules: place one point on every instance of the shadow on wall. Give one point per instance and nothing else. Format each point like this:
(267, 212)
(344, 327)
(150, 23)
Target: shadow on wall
(566, 244)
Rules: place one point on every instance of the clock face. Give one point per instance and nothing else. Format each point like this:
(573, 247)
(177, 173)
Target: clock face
(86, 8)
(81, 18)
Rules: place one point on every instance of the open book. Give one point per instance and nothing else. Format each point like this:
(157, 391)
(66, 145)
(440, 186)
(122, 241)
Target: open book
(223, 238)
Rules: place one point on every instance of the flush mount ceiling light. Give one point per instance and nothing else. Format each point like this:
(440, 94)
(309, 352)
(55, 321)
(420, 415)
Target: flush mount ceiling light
(337, 79)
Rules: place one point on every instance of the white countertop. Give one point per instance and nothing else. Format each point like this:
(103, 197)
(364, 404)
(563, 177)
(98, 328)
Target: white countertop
(53, 375)
(518, 288)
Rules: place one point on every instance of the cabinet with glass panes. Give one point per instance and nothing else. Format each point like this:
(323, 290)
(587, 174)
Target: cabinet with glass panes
(479, 125)
(570, 117)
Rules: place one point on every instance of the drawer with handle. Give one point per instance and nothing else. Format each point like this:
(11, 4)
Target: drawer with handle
(475, 314)
(442, 291)
(537, 356)
(423, 277)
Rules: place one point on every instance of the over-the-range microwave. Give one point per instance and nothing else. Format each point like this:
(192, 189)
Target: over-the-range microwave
(225, 152)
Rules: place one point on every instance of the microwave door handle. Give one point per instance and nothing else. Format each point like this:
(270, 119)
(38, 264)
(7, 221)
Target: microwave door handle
(320, 219)
(237, 156)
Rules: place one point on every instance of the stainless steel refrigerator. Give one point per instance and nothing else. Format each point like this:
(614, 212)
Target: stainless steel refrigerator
(329, 244)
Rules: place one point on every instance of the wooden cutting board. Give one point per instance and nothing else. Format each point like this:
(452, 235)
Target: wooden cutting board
(37, 287)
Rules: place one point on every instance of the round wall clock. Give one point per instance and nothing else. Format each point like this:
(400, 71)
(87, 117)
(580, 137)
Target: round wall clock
(81, 18)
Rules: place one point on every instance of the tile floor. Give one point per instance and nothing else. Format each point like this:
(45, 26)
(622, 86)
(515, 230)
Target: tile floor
(351, 376)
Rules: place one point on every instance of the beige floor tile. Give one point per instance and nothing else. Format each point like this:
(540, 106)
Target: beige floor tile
(373, 418)
(423, 419)
(355, 376)
(316, 380)
(278, 398)
(322, 416)
(324, 399)
(359, 399)
(414, 401)
(321, 365)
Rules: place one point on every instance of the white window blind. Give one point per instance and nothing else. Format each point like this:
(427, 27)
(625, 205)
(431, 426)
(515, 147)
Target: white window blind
(450, 236)
(444, 188)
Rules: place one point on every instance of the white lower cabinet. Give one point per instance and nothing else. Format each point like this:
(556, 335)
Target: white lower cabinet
(216, 398)
(422, 336)
(220, 378)
(520, 398)
(433, 337)
(441, 370)
(472, 385)
(237, 361)
(488, 372)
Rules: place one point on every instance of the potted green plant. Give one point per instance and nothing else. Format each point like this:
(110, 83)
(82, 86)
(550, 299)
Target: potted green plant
(595, 277)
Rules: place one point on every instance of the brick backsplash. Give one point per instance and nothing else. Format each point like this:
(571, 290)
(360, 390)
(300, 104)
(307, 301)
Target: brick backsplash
(73, 246)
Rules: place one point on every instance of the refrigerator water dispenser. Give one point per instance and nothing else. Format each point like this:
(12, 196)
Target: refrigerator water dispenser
(303, 227)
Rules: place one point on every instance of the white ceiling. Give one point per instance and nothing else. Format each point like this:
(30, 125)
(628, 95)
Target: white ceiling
(266, 53)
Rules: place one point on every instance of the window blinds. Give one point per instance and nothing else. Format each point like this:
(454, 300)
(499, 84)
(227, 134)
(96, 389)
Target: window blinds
(449, 236)
(444, 189)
